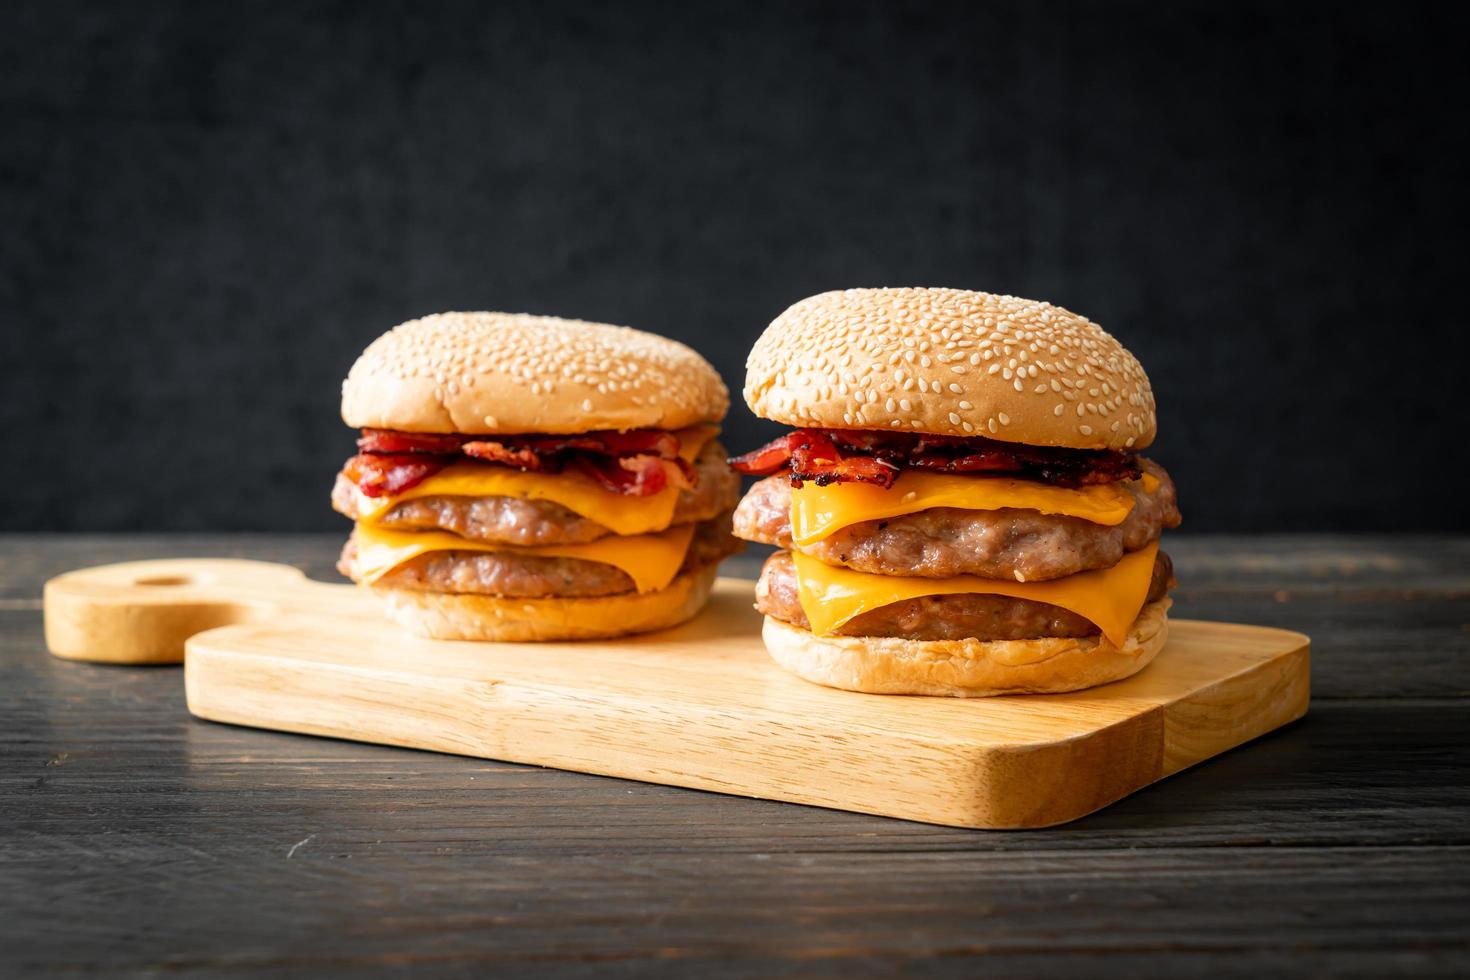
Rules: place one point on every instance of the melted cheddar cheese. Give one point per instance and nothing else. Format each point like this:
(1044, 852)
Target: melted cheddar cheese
(651, 560)
(1108, 597)
(620, 513)
(817, 512)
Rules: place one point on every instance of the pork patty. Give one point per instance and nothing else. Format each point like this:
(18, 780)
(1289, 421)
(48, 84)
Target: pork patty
(531, 523)
(506, 573)
(942, 617)
(946, 541)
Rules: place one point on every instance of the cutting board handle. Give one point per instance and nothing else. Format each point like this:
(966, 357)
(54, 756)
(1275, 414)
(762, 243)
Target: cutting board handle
(141, 612)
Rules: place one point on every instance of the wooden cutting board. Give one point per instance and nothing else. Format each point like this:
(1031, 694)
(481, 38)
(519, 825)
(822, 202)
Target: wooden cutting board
(700, 706)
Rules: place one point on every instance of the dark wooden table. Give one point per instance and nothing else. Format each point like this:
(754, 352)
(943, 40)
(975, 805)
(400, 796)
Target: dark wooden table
(135, 840)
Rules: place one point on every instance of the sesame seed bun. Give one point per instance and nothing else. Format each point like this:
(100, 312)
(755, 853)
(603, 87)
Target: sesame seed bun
(967, 668)
(504, 373)
(950, 362)
(464, 616)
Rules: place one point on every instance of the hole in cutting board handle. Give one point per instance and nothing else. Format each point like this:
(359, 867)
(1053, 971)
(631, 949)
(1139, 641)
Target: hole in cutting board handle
(165, 580)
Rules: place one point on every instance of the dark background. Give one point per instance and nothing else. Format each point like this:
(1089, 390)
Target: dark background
(208, 210)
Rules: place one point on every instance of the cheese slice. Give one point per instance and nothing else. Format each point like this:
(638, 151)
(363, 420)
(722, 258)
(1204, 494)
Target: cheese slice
(817, 512)
(620, 513)
(651, 560)
(1108, 597)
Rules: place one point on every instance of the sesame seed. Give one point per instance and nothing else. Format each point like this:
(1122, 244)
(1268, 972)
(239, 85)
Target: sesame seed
(1004, 418)
(1086, 430)
(882, 332)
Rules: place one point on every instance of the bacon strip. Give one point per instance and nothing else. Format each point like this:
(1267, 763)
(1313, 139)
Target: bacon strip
(654, 442)
(382, 474)
(773, 456)
(836, 455)
(635, 476)
(816, 457)
(813, 455)
(391, 441)
(498, 452)
(640, 462)
(987, 460)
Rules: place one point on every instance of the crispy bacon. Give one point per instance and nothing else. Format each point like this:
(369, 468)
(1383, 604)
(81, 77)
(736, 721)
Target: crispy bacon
(383, 474)
(655, 442)
(835, 455)
(985, 461)
(639, 462)
(498, 452)
(816, 457)
(813, 455)
(391, 441)
(635, 476)
(766, 460)
(637, 442)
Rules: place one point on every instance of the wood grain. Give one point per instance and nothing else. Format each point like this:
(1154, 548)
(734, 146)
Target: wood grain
(699, 706)
(136, 841)
(142, 612)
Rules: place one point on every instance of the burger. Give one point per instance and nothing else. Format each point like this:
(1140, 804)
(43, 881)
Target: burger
(962, 507)
(533, 478)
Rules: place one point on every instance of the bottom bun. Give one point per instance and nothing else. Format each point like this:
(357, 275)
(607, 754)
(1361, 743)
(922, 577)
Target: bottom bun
(463, 616)
(967, 668)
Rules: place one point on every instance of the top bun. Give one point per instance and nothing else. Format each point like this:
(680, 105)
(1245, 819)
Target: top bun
(505, 373)
(950, 362)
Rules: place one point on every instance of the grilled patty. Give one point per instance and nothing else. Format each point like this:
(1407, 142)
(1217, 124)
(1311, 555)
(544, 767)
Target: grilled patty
(946, 541)
(506, 573)
(942, 617)
(531, 523)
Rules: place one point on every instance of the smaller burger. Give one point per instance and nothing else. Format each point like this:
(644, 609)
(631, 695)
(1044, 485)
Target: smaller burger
(962, 508)
(532, 478)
